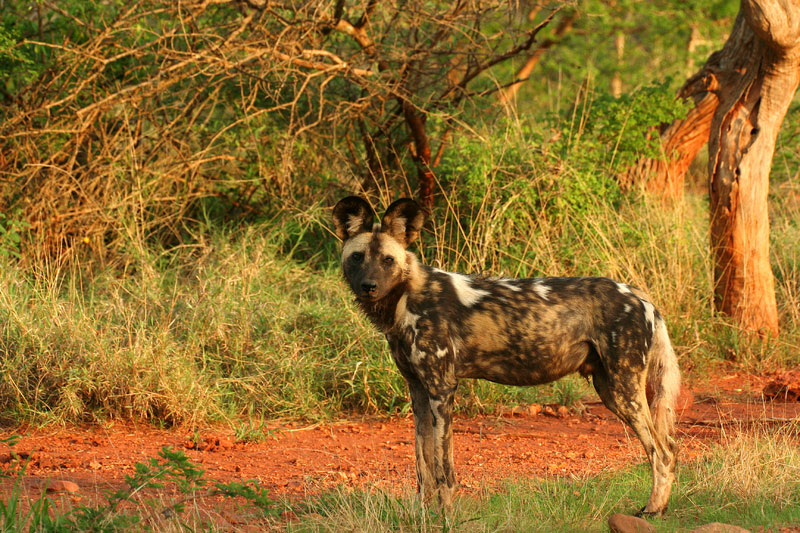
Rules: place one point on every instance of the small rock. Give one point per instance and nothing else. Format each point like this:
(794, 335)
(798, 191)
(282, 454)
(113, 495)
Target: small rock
(622, 523)
(719, 527)
(785, 387)
(62, 486)
(562, 411)
(534, 409)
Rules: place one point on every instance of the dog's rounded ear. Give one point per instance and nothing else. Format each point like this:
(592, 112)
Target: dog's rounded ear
(351, 216)
(403, 221)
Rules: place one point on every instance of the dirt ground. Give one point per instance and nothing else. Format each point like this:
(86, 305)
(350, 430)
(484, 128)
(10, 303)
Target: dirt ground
(300, 459)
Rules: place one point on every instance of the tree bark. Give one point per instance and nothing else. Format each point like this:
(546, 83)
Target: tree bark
(422, 155)
(760, 71)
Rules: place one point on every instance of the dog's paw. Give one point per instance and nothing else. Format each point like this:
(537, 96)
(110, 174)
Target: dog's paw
(642, 513)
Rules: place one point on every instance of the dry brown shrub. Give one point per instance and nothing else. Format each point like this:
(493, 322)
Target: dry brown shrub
(155, 105)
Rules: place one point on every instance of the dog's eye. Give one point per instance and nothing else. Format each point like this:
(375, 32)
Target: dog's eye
(388, 260)
(357, 257)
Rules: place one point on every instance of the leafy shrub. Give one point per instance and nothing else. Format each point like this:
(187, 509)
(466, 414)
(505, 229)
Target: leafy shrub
(606, 134)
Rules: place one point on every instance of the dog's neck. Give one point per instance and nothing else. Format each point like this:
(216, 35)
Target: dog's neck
(382, 313)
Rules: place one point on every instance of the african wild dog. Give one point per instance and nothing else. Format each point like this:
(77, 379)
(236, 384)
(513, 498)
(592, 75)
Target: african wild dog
(443, 326)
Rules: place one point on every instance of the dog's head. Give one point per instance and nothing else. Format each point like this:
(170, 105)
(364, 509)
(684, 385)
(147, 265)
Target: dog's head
(374, 257)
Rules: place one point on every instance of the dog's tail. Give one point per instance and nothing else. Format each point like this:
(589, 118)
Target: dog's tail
(664, 380)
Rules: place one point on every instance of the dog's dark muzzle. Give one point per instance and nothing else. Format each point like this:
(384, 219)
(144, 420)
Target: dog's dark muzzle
(369, 289)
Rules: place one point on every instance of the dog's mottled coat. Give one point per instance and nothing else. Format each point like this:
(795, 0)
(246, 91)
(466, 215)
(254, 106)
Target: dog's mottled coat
(443, 326)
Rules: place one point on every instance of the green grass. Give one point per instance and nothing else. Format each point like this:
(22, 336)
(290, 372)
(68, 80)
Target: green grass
(207, 333)
(750, 480)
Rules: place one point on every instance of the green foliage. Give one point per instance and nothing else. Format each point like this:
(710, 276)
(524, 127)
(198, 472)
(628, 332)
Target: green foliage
(607, 134)
(199, 333)
(565, 173)
(11, 230)
(656, 38)
(786, 160)
(250, 432)
(16, 67)
(511, 170)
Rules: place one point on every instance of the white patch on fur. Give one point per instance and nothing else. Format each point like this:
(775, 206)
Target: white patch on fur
(508, 284)
(649, 314)
(541, 289)
(410, 321)
(400, 310)
(455, 344)
(627, 308)
(467, 294)
(623, 289)
(417, 355)
(614, 337)
(441, 352)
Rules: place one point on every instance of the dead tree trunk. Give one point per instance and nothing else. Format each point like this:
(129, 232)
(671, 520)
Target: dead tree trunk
(759, 71)
(741, 96)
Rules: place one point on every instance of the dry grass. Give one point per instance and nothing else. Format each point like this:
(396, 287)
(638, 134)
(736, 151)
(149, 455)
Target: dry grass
(754, 466)
(751, 479)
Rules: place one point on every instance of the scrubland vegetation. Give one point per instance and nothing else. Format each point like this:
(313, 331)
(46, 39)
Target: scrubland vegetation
(166, 179)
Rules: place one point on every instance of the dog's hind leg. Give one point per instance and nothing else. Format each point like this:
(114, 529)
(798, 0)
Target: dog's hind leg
(625, 396)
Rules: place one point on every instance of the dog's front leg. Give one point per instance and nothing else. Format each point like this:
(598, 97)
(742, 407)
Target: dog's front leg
(442, 410)
(424, 438)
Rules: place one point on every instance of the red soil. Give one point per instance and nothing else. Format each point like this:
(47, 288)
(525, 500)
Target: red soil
(300, 459)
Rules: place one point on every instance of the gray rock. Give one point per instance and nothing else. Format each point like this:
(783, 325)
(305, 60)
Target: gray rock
(622, 523)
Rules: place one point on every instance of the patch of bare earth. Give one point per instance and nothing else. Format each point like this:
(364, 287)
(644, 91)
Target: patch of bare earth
(300, 459)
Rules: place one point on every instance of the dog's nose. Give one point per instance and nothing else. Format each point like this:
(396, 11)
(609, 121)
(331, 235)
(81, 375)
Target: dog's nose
(369, 286)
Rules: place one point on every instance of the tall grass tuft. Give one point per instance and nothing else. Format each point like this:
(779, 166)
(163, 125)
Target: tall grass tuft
(205, 332)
